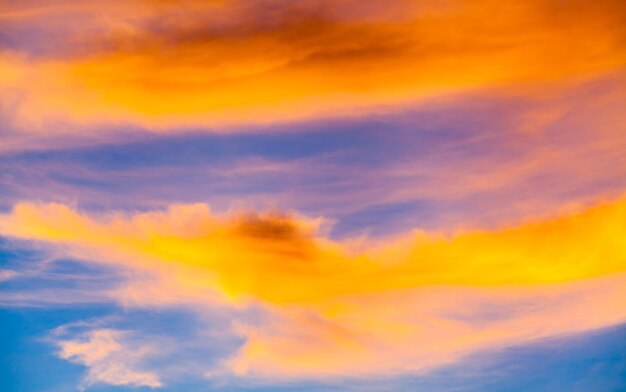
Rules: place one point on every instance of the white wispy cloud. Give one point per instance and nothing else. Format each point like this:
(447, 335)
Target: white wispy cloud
(112, 356)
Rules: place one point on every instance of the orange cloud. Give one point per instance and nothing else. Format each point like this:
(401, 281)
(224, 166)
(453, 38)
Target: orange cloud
(233, 62)
(419, 301)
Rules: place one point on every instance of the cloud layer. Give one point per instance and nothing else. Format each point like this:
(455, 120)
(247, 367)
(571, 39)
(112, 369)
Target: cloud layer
(334, 308)
(393, 186)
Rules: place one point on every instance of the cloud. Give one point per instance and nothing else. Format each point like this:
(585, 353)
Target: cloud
(110, 356)
(415, 330)
(6, 274)
(192, 63)
(331, 308)
(448, 108)
(482, 160)
(281, 258)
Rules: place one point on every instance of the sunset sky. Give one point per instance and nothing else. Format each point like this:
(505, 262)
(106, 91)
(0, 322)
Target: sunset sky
(313, 195)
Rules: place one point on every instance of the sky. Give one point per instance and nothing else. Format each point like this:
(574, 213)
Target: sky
(313, 195)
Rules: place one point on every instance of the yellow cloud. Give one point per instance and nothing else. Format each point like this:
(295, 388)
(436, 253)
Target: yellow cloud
(280, 259)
